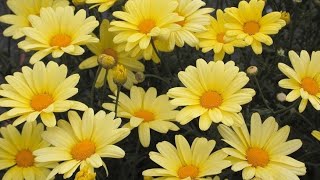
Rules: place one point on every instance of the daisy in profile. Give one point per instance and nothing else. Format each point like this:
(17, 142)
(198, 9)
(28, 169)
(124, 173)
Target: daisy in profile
(195, 20)
(215, 38)
(66, 33)
(43, 91)
(106, 47)
(185, 162)
(17, 152)
(104, 5)
(146, 111)
(316, 134)
(214, 91)
(264, 152)
(142, 20)
(21, 10)
(303, 79)
(247, 23)
(82, 142)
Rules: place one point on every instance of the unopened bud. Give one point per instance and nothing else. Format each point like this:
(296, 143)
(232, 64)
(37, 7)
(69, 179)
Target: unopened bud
(140, 77)
(281, 97)
(285, 16)
(252, 70)
(106, 61)
(119, 74)
(85, 174)
(280, 52)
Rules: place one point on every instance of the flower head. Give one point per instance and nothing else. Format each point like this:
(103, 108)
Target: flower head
(66, 33)
(42, 91)
(82, 142)
(214, 38)
(108, 55)
(264, 152)
(303, 79)
(21, 10)
(247, 23)
(214, 91)
(103, 4)
(142, 20)
(17, 152)
(183, 161)
(145, 111)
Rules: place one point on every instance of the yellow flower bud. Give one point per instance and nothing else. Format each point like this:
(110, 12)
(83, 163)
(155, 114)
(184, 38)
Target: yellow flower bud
(78, 2)
(106, 61)
(252, 70)
(85, 174)
(285, 16)
(119, 74)
(140, 77)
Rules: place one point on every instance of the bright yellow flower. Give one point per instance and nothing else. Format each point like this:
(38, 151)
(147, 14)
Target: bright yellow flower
(21, 10)
(215, 38)
(246, 22)
(264, 152)
(185, 162)
(58, 31)
(145, 111)
(303, 79)
(103, 4)
(86, 173)
(213, 91)
(17, 149)
(316, 134)
(82, 142)
(142, 20)
(195, 20)
(106, 47)
(42, 91)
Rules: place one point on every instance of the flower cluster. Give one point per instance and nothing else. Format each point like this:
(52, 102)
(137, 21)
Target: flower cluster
(48, 138)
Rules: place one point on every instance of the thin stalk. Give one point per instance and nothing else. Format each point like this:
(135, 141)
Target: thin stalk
(261, 94)
(93, 85)
(157, 77)
(165, 65)
(117, 100)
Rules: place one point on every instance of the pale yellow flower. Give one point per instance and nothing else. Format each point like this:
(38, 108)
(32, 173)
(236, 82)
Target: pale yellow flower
(41, 91)
(264, 152)
(104, 5)
(187, 163)
(21, 10)
(146, 111)
(303, 79)
(58, 31)
(316, 134)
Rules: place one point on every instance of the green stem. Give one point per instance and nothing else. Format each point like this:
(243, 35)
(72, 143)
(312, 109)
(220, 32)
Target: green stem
(93, 85)
(157, 77)
(261, 94)
(286, 108)
(117, 100)
(165, 65)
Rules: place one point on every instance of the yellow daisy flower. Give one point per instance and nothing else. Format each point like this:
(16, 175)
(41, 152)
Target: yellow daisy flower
(107, 47)
(42, 91)
(217, 99)
(185, 162)
(195, 20)
(103, 4)
(145, 111)
(142, 20)
(246, 22)
(21, 10)
(215, 38)
(303, 79)
(264, 152)
(17, 152)
(66, 33)
(316, 134)
(82, 142)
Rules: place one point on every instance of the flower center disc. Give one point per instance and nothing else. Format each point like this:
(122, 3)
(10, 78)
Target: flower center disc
(146, 26)
(24, 158)
(220, 37)
(145, 115)
(257, 157)
(111, 52)
(188, 171)
(83, 150)
(251, 27)
(310, 85)
(41, 101)
(61, 40)
(211, 99)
